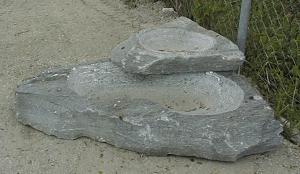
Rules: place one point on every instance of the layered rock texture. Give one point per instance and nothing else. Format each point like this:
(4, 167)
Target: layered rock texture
(131, 103)
(207, 115)
(176, 47)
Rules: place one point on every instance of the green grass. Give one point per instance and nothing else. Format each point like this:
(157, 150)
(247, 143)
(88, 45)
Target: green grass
(273, 57)
(131, 3)
(273, 53)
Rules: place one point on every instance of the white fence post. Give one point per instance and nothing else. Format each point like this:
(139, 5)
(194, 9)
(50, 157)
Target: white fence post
(243, 24)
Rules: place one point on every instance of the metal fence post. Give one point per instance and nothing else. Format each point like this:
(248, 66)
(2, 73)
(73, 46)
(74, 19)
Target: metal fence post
(243, 24)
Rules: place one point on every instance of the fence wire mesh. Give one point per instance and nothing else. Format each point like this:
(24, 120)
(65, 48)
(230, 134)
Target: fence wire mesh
(272, 51)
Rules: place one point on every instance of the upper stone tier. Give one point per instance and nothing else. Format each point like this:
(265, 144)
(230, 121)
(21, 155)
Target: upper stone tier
(175, 47)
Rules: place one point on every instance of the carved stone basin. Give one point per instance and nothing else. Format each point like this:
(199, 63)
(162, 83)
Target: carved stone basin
(193, 94)
(178, 40)
(177, 47)
(207, 115)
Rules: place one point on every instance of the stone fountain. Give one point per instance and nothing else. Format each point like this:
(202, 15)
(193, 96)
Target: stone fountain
(166, 90)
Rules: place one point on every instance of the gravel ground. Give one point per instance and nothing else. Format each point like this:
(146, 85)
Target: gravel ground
(36, 35)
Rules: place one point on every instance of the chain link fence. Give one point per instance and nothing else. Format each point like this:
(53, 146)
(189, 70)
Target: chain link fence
(272, 48)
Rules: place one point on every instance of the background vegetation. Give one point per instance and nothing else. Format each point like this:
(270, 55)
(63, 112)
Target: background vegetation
(273, 54)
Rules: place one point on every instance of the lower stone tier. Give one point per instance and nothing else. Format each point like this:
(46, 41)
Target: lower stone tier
(206, 115)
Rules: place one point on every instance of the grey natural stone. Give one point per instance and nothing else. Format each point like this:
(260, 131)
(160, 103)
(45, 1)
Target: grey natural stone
(296, 139)
(179, 46)
(168, 12)
(207, 115)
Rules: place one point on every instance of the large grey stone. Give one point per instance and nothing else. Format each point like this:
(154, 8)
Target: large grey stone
(179, 46)
(207, 115)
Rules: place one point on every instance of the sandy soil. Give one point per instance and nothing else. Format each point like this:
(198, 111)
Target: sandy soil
(35, 35)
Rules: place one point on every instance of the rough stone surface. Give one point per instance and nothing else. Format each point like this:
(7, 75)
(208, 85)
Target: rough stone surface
(179, 46)
(207, 115)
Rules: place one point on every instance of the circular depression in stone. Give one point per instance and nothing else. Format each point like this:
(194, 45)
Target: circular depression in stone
(175, 40)
(189, 93)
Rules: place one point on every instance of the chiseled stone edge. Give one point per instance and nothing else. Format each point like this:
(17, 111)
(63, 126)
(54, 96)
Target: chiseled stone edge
(224, 56)
(56, 110)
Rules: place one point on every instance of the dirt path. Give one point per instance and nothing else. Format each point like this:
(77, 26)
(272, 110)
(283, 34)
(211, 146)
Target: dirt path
(35, 35)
